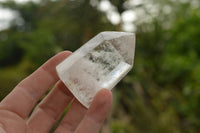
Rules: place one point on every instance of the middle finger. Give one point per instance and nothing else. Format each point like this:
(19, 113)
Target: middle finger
(50, 109)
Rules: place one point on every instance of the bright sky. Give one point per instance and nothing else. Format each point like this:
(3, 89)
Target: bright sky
(21, 1)
(127, 18)
(7, 15)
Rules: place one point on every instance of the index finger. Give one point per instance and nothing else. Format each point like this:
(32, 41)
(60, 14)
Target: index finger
(25, 95)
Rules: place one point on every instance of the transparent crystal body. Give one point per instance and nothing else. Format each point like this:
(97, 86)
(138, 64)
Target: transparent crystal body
(100, 63)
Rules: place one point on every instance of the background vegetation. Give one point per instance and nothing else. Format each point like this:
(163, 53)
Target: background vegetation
(160, 95)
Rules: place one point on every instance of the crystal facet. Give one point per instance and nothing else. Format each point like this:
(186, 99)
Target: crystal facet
(101, 63)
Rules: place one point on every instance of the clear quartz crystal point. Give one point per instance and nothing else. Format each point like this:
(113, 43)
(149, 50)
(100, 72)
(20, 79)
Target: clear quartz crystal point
(101, 63)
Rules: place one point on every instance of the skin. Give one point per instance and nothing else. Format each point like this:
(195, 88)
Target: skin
(16, 107)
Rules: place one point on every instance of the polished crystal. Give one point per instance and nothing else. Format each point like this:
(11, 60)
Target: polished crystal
(100, 63)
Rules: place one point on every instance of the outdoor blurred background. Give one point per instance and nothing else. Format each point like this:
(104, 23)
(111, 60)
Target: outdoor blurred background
(162, 92)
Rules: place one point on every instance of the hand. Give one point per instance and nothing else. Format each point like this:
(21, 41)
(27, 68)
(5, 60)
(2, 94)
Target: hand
(16, 107)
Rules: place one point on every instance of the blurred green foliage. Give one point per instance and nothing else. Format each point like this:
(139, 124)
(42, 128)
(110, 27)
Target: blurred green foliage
(160, 94)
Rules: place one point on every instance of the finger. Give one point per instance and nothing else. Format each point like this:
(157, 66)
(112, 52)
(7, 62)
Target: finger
(50, 109)
(25, 95)
(72, 118)
(2, 130)
(96, 114)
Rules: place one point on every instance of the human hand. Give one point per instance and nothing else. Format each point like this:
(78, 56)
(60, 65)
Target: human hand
(16, 107)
